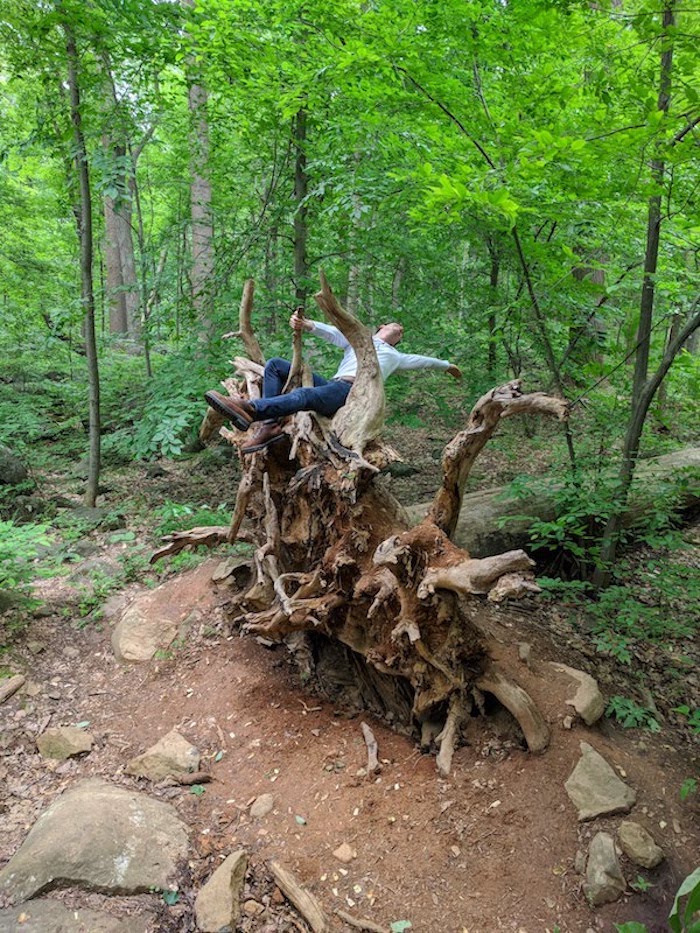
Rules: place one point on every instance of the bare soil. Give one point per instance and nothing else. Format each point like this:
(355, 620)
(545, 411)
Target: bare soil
(491, 848)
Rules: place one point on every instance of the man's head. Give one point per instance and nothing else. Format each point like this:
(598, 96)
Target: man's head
(390, 333)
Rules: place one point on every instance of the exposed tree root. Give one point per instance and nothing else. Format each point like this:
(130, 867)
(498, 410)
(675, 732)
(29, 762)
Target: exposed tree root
(335, 556)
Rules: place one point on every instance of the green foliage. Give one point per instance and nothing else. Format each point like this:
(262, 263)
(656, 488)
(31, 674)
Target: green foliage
(631, 926)
(641, 884)
(692, 715)
(685, 913)
(630, 715)
(688, 787)
(177, 516)
(18, 547)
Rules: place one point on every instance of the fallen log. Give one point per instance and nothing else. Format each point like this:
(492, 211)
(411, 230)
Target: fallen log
(492, 521)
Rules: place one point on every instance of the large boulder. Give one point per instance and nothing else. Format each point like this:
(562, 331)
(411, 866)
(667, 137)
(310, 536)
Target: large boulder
(12, 470)
(46, 916)
(98, 837)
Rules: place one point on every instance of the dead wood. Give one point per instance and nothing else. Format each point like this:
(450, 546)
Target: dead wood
(460, 454)
(372, 749)
(307, 905)
(10, 685)
(359, 923)
(385, 613)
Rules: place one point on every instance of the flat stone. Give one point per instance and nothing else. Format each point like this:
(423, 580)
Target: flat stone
(261, 806)
(595, 789)
(587, 700)
(172, 754)
(64, 742)
(217, 905)
(604, 879)
(345, 853)
(47, 916)
(154, 619)
(101, 838)
(638, 845)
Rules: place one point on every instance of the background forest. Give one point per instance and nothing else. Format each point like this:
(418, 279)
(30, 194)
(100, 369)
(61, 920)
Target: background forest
(516, 183)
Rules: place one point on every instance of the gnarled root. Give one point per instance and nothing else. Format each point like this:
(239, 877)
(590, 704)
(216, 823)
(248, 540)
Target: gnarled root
(519, 704)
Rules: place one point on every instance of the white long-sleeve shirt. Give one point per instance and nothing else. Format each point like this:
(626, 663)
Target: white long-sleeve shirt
(390, 359)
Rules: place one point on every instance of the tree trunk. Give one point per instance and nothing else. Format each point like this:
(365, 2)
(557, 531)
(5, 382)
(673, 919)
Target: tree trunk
(86, 287)
(643, 390)
(200, 208)
(646, 305)
(301, 181)
(391, 609)
(118, 322)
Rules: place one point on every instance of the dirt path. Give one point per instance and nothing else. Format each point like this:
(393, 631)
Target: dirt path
(492, 848)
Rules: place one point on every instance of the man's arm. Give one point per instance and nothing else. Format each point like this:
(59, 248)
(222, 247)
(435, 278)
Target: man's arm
(414, 361)
(325, 331)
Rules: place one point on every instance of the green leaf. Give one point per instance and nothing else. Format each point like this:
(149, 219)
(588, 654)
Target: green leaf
(218, 756)
(398, 926)
(171, 897)
(197, 790)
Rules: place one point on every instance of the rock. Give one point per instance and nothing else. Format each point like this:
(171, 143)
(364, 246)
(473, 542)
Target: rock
(12, 470)
(568, 722)
(595, 789)
(524, 652)
(47, 916)
(101, 838)
(155, 618)
(172, 754)
(253, 908)
(10, 685)
(261, 806)
(91, 515)
(71, 653)
(588, 700)
(580, 862)
(92, 567)
(604, 879)
(64, 742)
(638, 845)
(155, 471)
(238, 566)
(85, 548)
(217, 905)
(345, 853)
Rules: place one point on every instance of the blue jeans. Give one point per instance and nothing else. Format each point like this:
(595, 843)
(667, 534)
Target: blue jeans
(325, 398)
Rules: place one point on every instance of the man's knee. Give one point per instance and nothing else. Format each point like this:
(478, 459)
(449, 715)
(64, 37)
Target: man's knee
(277, 365)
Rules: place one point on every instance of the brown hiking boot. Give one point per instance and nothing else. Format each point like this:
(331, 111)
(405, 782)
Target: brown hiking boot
(269, 432)
(237, 409)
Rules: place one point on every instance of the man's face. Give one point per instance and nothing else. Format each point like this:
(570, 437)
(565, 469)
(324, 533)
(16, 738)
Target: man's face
(390, 333)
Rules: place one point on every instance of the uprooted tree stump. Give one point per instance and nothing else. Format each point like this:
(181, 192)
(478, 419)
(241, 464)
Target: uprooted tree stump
(358, 594)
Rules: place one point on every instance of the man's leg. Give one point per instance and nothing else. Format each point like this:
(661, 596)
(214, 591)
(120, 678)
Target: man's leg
(325, 398)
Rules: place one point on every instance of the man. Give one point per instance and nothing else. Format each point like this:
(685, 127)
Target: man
(327, 395)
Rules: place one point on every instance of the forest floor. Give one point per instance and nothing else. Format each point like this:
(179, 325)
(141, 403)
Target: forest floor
(492, 847)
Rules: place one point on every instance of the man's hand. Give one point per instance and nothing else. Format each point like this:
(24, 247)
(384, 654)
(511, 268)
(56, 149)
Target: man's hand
(454, 371)
(298, 323)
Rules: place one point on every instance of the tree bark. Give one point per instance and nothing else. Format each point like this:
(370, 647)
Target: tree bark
(200, 208)
(301, 182)
(646, 305)
(86, 247)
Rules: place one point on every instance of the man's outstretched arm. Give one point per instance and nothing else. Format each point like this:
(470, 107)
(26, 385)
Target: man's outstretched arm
(414, 361)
